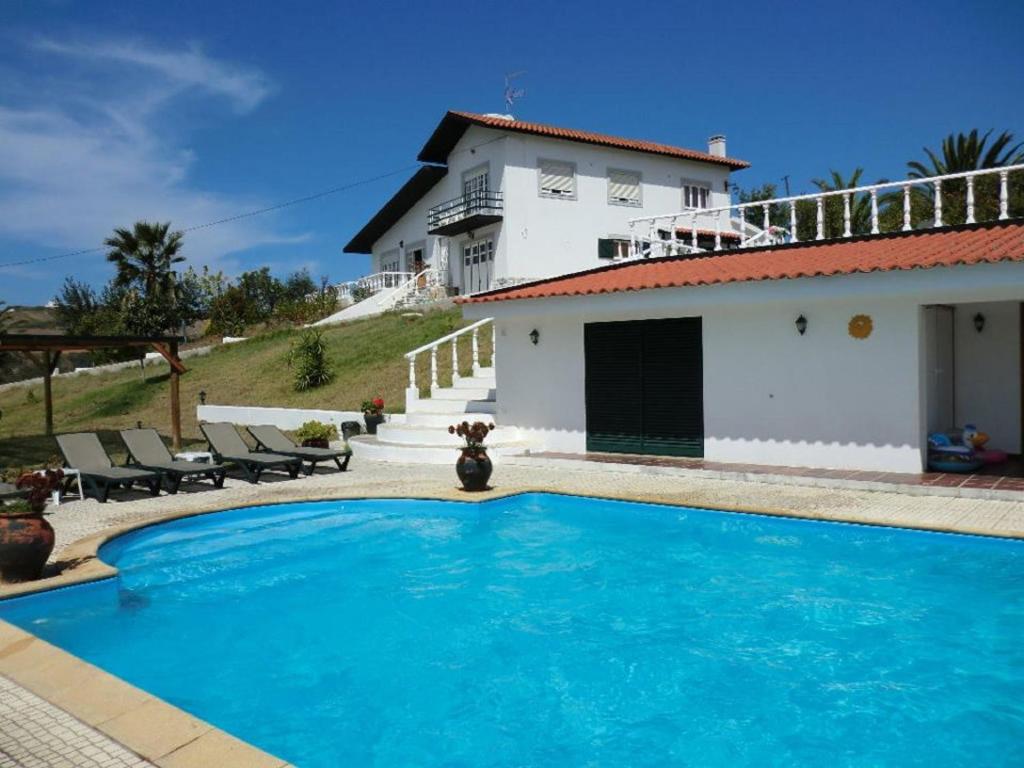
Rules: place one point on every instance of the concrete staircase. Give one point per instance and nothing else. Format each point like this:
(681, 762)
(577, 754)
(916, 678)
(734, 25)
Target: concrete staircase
(424, 438)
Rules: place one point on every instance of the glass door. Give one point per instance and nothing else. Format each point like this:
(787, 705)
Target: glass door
(477, 265)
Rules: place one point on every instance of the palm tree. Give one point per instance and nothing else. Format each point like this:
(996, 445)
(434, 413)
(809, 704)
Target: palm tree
(860, 208)
(145, 257)
(961, 153)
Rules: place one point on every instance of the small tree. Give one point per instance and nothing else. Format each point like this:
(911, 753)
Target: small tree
(309, 359)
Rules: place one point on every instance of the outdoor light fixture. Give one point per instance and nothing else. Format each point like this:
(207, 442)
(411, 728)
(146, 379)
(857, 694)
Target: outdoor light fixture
(535, 336)
(979, 322)
(801, 325)
(202, 397)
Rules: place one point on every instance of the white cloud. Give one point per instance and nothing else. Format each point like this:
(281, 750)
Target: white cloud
(187, 68)
(92, 152)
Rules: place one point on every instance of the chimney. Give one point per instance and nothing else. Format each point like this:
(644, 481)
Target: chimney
(716, 145)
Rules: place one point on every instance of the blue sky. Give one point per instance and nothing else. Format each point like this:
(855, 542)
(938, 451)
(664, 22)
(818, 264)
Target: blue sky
(197, 111)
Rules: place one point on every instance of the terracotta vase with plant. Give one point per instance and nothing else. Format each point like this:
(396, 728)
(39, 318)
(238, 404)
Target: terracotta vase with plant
(26, 538)
(373, 414)
(474, 465)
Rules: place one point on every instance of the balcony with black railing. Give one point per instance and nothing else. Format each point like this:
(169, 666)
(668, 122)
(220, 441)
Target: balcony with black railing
(468, 212)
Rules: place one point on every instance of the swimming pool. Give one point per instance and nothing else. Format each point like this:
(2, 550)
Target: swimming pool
(555, 630)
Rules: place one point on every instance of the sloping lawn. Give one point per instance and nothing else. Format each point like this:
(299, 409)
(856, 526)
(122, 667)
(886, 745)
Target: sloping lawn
(368, 358)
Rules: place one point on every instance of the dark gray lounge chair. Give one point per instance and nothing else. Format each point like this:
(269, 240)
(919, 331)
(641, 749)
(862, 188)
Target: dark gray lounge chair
(10, 492)
(227, 445)
(147, 451)
(84, 451)
(270, 438)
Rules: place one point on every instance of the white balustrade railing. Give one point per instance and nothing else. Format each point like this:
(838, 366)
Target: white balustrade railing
(424, 282)
(434, 348)
(372, 284)
(660, 235)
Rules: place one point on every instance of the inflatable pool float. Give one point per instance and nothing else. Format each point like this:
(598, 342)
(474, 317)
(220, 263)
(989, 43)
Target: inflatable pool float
(992, 456)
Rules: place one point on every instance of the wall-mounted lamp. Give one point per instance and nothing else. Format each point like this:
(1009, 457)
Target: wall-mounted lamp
(801, 325)
(202, 397)
(979, 322)
(535, 336)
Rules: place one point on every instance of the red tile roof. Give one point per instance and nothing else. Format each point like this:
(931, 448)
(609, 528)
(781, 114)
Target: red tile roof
(944, 247)
(454, 124)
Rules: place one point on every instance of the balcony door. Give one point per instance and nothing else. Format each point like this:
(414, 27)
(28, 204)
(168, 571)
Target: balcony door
(477, 265)
(474, 184)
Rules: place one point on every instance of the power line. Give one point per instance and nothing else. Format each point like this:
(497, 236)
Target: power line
(258, 211)
(246, 215)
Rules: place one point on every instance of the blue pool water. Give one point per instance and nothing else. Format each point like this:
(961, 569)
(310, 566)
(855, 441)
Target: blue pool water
(560, 631)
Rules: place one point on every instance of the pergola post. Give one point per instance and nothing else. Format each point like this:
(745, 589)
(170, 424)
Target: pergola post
(48, 392)
(175, 401)
(50, 347)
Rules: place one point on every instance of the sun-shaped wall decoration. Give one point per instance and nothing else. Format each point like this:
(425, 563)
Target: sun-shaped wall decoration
(860, 326)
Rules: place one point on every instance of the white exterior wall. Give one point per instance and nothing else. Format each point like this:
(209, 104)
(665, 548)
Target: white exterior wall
(476, 147)
(771, 396)
(539, 236)
(988, 368)
(553, 236)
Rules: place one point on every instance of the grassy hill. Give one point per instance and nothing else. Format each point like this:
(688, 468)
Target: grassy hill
(368, 359)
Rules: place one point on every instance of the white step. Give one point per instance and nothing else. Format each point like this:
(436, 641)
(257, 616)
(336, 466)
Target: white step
(371, 448)
(421, 435)
(472, 382)
(465, 393)
(444, 419)
(429, 405)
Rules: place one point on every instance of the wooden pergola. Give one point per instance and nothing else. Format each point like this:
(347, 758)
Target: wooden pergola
(45, 351)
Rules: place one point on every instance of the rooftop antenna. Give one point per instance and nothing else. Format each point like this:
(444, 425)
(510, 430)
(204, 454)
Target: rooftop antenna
(511, 93)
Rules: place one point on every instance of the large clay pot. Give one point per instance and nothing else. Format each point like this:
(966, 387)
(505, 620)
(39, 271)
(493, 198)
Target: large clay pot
(474, 469)
(372, 421)
(316, 442)
(26, 541)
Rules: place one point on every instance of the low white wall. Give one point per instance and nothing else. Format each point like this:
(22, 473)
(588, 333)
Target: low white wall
(284, 418)
(151, 358)
(988, 372)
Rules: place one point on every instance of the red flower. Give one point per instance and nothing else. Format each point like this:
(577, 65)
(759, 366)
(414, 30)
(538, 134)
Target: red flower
(378, 402)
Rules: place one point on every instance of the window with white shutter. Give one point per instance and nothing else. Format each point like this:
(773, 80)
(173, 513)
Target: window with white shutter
(623, 187)
(557, 179)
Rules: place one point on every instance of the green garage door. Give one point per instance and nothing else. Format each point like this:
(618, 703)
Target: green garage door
(645, 387)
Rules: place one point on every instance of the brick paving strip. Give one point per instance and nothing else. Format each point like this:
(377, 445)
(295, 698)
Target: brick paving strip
(110, 709)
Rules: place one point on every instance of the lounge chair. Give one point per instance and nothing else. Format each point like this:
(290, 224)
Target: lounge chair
(147, 451)
(227, 445)
(10, 492)
(270, 438)
(84, 451)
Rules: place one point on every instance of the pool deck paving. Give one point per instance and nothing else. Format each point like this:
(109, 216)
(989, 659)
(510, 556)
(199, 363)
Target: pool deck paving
(55, 707)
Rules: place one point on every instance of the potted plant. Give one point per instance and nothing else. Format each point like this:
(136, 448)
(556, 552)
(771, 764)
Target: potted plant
(373, 414)
(316, 434)
(26, 538)
(474, 465)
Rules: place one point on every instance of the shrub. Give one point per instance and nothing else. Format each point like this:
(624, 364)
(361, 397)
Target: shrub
(316, 430)
(229, 313)
(309, 358)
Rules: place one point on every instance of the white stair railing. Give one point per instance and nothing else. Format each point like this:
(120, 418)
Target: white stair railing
(422, 282)
(372, 284)
(412, 393)
(652, 236)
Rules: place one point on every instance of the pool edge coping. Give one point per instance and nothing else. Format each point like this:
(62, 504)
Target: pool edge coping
(70, 683)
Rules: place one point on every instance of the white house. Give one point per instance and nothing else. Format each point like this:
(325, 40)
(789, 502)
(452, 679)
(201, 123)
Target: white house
(500, 201)
(839, 354)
